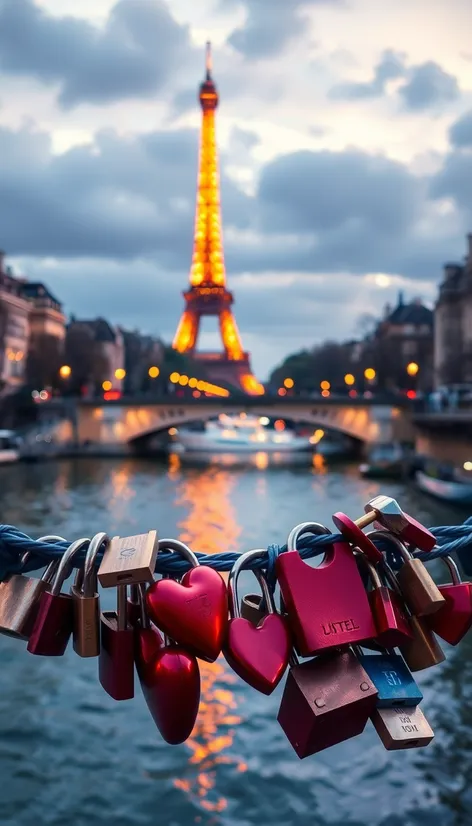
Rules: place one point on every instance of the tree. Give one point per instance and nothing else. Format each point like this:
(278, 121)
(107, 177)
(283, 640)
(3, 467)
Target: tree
(45, 356)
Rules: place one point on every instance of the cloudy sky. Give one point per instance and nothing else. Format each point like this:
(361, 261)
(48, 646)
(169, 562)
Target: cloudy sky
(345, 129)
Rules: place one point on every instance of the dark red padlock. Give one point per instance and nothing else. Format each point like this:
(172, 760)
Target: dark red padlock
(54, 621)
(391, 621)
(193, 612)
(452, 622)
(327, 606)
(116, 660)
(326, 700)
(258, 654)
(169, 678)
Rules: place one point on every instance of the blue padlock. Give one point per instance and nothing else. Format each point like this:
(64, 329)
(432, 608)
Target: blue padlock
(392, 679)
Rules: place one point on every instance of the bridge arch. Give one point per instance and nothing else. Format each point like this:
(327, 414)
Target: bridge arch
(130, 422)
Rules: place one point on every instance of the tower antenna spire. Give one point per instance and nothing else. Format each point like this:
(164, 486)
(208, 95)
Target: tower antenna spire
(208, 60)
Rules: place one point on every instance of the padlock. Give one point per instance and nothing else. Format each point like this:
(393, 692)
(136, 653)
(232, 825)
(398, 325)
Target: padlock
(327, 606)
(54, 621)
(86, 633)
(387, 607)
(454, 619)
(20, 596)
(194, 611)
(128, 560)
(253, 608)
(388, 514)
(419, 590)
(325, 701)
(393, 680)
(169, 678)
(116, 659)
(258, 654)
(402, 728)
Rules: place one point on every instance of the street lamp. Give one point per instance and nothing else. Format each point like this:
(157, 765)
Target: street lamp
(325, 385)
(65, 371)
(412, 368)
(369, 373)
(288, 383)
(153, 372)
(106, 385)
(349, 379)
(120, 373)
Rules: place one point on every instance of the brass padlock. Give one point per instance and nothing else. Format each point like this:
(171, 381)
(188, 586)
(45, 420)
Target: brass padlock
(20, 596)
(86, 602)
(402, 728)
(419, 590)
(422, 650)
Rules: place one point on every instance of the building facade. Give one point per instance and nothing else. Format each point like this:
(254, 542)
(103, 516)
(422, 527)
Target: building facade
(95, 353)
(453, 324)
(14, 330)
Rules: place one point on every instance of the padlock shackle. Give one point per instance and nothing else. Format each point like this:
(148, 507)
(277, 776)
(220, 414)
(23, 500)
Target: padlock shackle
(238, 566)
(453, 569)
(371, 569)
(64, 568)
(315, 528)
(387, 536)
(89, 582)
(180, 548)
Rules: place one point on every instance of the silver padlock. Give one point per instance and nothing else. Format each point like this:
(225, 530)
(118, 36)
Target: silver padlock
(20, 596)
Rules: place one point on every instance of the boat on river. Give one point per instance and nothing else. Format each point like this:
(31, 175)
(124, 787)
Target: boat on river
(389, 460)
(448, 484)
(238, 435)
(9, 447)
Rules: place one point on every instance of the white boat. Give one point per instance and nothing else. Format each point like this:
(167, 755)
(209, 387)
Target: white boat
(447, 489)
(9, 447)
(239, 435)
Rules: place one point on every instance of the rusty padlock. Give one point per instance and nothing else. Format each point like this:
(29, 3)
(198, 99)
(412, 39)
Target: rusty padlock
(325, 701)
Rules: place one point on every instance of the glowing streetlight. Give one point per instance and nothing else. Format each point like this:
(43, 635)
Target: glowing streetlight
(174, 377)
(370, 373)
(106, 385)
(153, 372)
(349, 379)
(412, 368)
(288, 383)
(120, 373)
(183, 380)
(65, 371)
(325, 385)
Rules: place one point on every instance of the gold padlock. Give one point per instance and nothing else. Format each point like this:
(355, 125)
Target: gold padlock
(419, 590)
(86, 602)
(422, 650)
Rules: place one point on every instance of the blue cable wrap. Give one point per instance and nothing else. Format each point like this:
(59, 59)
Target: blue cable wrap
(14, 544)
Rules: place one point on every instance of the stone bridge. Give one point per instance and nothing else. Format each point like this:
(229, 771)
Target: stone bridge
(129, 421)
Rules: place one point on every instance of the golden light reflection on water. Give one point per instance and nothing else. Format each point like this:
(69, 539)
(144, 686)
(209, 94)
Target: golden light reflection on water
(209, 526)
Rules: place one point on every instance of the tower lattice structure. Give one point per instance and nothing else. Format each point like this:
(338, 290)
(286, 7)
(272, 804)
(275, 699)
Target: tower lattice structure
(208, 294)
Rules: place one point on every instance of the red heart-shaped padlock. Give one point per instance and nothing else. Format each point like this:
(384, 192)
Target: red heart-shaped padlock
(259, 655)
(193, 612)
(170, 681)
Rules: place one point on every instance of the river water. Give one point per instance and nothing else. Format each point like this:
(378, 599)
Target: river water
(71, 755)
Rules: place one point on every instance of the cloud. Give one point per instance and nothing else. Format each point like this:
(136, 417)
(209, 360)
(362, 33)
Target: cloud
(270, 26)
(428, 86)
(424, 86)
(390, 67)
(460, 133)
(134, 55)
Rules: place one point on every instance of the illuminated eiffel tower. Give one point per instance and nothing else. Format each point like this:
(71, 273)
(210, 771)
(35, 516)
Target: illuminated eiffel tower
(208, 295)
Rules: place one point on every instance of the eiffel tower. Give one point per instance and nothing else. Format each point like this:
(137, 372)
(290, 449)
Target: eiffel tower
(208, 294)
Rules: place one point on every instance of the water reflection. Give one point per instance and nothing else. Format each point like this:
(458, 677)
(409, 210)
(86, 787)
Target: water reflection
(209, 525)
